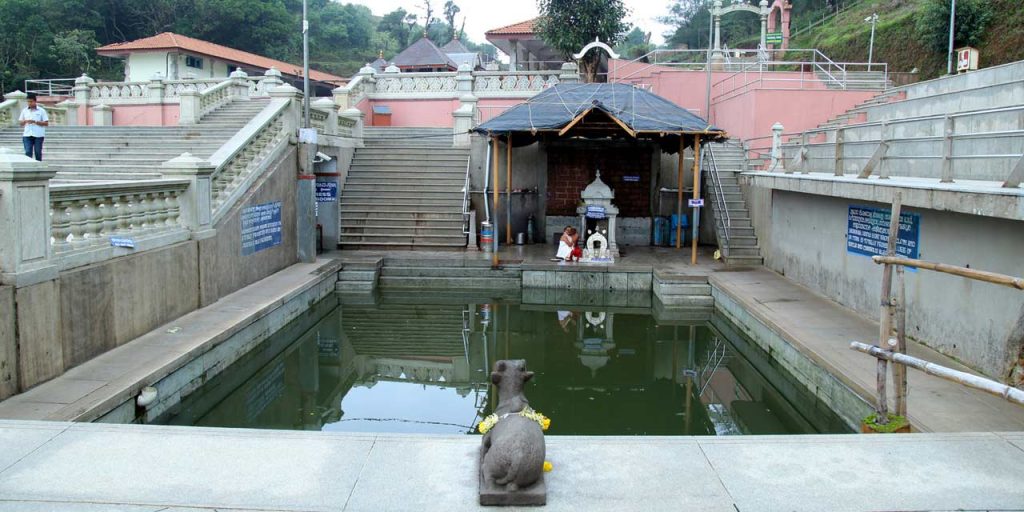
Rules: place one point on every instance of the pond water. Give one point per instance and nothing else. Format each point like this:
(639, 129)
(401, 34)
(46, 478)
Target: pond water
(421, 364)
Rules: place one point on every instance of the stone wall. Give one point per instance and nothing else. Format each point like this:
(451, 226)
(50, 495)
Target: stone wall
(50, 327)
(8, 344)
(803, 237)
(223, 268)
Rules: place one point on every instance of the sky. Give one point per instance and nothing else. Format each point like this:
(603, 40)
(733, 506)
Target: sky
(484, 15)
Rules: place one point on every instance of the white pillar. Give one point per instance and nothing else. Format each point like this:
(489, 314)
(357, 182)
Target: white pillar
(188, 107)
(355, 115)
(197, 201)
(239, 84)
(26, 255)
(777, 129)
(22, 100)
(570, 73)
(102, 115)
(463, 120)
(764, 23)
(464, 79)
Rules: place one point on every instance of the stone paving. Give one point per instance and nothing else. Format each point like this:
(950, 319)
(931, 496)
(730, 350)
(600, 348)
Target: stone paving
(93, 467)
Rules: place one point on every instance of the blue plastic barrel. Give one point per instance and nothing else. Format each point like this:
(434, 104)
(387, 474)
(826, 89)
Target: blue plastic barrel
(684, 223)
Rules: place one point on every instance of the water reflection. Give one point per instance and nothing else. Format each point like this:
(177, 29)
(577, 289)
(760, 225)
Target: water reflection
(413, 367)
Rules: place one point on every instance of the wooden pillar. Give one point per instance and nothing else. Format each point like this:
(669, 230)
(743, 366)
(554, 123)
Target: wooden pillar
(494, 198)
(696, 195)
(679, 197)
(508, 191)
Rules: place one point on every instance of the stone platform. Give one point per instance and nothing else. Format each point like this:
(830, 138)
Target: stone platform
(120, 468)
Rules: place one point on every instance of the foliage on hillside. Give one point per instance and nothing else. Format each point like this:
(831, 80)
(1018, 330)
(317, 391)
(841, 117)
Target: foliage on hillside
(57, 38)
(902, 40)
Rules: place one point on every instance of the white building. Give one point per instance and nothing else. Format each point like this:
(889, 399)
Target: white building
(176, 57)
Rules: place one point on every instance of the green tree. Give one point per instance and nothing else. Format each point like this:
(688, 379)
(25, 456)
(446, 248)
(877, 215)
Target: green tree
(393, 24)
(636, 44)
(73, 50)
(569, 25)
(450, 10)
(972, 16)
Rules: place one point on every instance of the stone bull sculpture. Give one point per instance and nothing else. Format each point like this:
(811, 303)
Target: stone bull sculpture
(512, 451)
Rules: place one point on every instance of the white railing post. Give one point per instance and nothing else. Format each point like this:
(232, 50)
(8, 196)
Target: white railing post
(463, 120)
(70, 112)
(196, 203)
(464, 79)
(570, 73)
(326, 105)
(355, 117)
(81, 92)
(22, 102)
(777, 130)
(102, 115)
(26, 256)
(271, 78)
(188, 107)
(239, 84)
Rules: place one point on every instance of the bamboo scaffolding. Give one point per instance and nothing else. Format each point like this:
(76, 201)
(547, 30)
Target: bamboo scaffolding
(886, 312)
(899, 372)
(970, 273)
(1009, 393)
(494, 200)
(508, 191)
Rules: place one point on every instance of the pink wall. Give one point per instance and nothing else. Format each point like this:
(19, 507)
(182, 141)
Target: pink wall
(756, 101)
(418, 113)
(136, 115)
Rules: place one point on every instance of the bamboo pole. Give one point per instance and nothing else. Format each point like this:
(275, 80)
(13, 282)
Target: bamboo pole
(970, 273)
(1009, 393)
(495, 199)
(885, 315)
(679, 198)
(508, 191)
(696, 195)
(899, 372)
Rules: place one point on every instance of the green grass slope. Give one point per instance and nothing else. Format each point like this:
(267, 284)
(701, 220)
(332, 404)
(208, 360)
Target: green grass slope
(898, 43)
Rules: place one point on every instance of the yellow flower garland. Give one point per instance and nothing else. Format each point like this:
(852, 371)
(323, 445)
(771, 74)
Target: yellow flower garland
(492, 420)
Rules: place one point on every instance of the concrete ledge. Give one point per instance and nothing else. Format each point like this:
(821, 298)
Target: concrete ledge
(809, 336)
(984, 198)
(90, 467)
(104, 383)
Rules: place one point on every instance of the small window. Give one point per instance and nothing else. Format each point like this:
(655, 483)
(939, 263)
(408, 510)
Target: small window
(194, 62)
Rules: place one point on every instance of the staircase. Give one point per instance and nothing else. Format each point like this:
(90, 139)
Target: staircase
(855, 80)
(404, 330)
(448, 274)
(88, 153)
(733, 226)
(405, 191)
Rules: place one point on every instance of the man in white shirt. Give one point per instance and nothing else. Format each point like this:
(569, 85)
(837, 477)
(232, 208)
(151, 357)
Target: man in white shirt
(35, 120)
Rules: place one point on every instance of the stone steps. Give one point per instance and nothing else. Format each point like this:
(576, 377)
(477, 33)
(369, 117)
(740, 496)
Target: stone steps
(740, 246)
(404, 194)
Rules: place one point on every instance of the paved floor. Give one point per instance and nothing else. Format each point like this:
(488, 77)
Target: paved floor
(823, 330)
(92, 467)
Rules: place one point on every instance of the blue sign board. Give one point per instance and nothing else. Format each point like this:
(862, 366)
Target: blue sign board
(867, 232)
(631, 178)
(122, 242)
(326, 191)
(261, 227)
(595, 212)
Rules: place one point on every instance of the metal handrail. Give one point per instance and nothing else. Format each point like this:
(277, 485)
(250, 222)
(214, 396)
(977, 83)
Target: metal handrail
(720, 206)
(52, 86)
(465, 200)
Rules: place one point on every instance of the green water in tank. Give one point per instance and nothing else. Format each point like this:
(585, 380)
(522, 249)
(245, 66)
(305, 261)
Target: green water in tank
(421, 363)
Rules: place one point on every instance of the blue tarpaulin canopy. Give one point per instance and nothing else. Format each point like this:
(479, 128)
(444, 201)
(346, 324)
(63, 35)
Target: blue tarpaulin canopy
(574, 108)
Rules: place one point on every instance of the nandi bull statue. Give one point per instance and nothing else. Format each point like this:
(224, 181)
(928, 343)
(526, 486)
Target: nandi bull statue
(512, 453)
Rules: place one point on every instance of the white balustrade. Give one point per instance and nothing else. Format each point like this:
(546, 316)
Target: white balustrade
(86, 216)
(514, 81)
(9, 112)
(215, 97)
(416, 83)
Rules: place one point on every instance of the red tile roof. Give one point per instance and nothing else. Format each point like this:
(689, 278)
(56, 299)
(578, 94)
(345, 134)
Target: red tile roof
(521, 28)
(171, 41)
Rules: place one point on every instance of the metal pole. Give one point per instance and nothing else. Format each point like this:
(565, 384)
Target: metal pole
(707, 68)
(305, 67)
(696, 195)
(871, 46)
(952, 22)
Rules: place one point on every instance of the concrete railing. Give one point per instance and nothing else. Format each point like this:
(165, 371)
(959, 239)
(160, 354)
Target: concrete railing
(96, 221)
(244, 157)
(978, 145)
(394, 84)
(11, 107)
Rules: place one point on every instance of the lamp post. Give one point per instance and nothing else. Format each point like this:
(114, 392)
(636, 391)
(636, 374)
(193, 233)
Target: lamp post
(305, 67)
(952, 22)
(873, 19)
